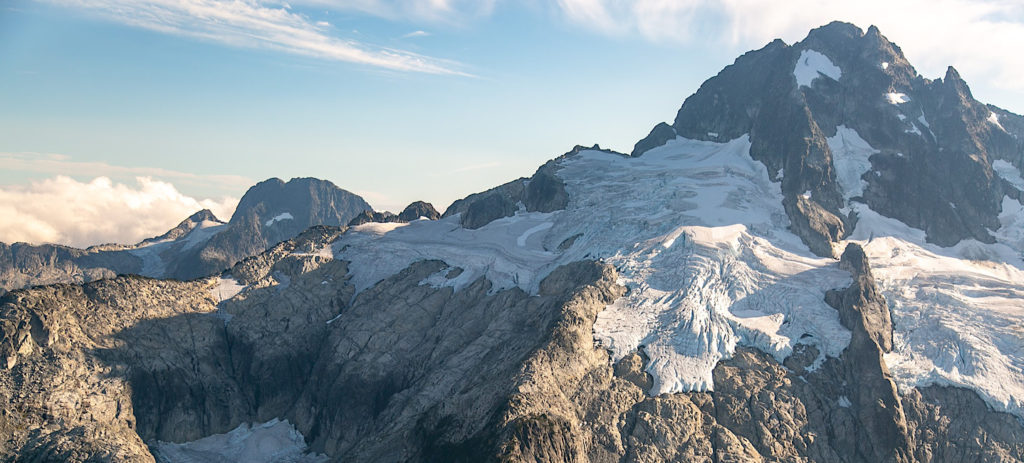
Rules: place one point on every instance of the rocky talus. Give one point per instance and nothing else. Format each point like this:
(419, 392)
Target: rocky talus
(405, 371)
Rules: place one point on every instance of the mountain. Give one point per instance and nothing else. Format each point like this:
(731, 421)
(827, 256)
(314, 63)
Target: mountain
(844, 121)
(270, 212)
(755, 282)
(201, 245)
(23, 265)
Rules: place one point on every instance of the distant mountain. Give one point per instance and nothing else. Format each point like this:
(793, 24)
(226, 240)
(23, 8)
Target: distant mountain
(821, 259)
(23, 264)
(201, 245)
(270, 212)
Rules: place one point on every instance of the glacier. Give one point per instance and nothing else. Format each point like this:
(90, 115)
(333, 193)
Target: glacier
(698, 234)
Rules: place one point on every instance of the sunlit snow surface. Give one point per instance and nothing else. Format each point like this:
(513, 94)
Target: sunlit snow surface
(698, 234)
(812, 65)
(958, 312)
(271, 442)
(1008, 172)
(897, 98)
(850, 155)
(700, 238)
(150, 252)
(279, 217)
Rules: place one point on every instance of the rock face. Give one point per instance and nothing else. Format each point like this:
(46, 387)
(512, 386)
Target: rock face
(934, 143)
(543, 192)
(201, 245)
(270, 212)
(410, 372)
(414, 211)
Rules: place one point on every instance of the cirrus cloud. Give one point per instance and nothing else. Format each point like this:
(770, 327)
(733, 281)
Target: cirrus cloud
(66, 211)
(259, 24)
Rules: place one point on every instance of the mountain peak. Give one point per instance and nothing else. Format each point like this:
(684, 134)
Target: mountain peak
(793, 101)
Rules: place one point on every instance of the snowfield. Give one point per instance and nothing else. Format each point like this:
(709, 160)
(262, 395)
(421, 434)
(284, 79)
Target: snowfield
(271, 442)
(698, 234)
(957, 312)
(153, 264)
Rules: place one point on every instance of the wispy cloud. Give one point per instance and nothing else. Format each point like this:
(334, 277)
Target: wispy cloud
(448, 12)
(66, 211)
(969, 34)
(61, 164)
(259, 24)
(415, 34)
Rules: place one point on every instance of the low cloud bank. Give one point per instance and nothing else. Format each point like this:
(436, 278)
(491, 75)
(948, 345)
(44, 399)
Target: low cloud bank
(66, 211)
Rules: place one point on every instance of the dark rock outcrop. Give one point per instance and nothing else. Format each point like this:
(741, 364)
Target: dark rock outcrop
(414, 211)
(936, 142)
(371, 217)
(882, 425)
(543, 192)
(270, 212)
(418, 209)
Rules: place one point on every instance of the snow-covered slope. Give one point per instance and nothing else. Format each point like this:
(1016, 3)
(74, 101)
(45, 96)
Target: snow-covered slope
(275, 441)
(154, 262)
(699, 235)
(697, 231)
(957, 312)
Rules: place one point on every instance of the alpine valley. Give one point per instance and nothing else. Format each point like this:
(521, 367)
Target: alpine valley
(820, 259)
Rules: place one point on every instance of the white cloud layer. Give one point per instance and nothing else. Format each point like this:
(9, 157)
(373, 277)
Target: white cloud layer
(62, 164)
(972, 35)
(66, 211)
(265, 24)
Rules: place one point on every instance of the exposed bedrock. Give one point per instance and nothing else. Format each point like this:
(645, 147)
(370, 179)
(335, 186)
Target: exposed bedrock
(406, 371)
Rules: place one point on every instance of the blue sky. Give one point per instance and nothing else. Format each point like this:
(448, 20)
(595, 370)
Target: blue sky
(395, 100)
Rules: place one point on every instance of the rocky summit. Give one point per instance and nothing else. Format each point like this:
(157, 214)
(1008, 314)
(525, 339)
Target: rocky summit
(819, 260)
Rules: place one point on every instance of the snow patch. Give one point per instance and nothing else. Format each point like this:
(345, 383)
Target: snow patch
(1008, 172)
(521, 240)
(279, 217)
(378, 251)
(994, 119)
(885, 65)
(844, 401)
(151, 252)
(226, 288)
(1011, 219)
(270, 442)
(897, 98)
(812, 65)
(851, 158)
